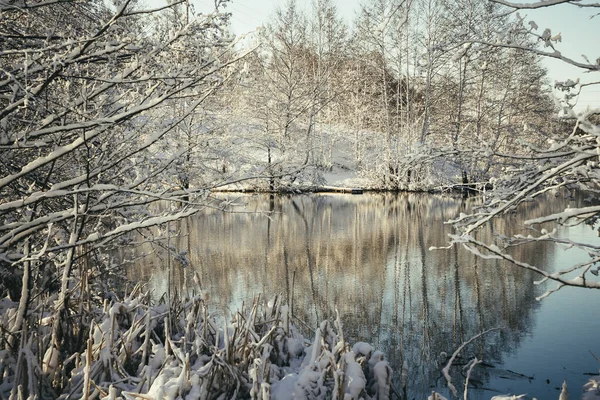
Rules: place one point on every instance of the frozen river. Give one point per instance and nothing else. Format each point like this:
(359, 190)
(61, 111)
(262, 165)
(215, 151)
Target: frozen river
(368, 256)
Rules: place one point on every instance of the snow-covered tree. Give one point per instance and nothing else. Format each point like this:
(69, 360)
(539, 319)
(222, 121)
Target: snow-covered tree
(81, 159)
(380, 89)
(566, 163)
(279, 102)
(485, 91)
(328, 41)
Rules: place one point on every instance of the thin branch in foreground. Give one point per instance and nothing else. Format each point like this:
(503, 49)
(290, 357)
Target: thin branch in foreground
(446, 370)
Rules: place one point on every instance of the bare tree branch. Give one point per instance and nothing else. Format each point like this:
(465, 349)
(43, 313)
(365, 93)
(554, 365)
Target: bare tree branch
(534, 5)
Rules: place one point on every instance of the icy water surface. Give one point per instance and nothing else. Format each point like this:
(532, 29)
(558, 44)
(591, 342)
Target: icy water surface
(368, 255)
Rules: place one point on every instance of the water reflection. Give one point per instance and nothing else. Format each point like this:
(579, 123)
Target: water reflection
(368, 256)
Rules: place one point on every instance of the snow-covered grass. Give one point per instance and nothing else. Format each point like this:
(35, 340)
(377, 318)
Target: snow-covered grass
(180, 351)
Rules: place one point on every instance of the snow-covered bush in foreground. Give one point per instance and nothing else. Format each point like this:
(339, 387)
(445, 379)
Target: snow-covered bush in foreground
(136, 350)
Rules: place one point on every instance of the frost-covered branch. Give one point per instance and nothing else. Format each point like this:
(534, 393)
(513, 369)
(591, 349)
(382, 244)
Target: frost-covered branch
(533, 5)
(155, 9)
(494, 252)
(566, 163)
(501, 206)
(554, 54)
(568, 214)
(86, 134)
(21, 6)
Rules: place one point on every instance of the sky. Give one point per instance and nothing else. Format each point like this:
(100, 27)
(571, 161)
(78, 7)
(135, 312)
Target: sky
(248, 14)
(580, 33)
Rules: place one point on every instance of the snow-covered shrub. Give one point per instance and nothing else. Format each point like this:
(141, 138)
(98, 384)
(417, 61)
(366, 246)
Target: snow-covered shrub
(180, 350)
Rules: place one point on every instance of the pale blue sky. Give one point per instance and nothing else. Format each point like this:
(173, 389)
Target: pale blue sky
(580, 35)
(248, 14)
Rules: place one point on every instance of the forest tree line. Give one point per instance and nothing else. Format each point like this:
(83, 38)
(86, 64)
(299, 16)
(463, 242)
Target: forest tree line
(413, 95)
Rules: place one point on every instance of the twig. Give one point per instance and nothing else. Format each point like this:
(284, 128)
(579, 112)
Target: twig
(472, 364)
(446, 370)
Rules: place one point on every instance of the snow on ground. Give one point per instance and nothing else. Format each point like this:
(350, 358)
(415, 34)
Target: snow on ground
(341, 175)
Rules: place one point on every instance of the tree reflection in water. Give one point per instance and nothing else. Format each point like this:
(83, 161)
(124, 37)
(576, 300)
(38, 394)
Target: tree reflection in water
(368, 256)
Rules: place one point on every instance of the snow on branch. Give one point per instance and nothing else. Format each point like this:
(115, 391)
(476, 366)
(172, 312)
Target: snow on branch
(555, 54)
(523, 194)
(565, 215)
(21, 6)
(534, 5)
(491, 251)
(155, 9)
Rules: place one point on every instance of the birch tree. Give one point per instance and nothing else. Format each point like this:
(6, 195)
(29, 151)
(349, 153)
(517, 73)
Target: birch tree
(328, 42)
(279, 98)
(382, 87)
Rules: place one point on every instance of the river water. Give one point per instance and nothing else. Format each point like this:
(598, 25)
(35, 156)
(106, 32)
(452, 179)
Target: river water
(368, 256)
